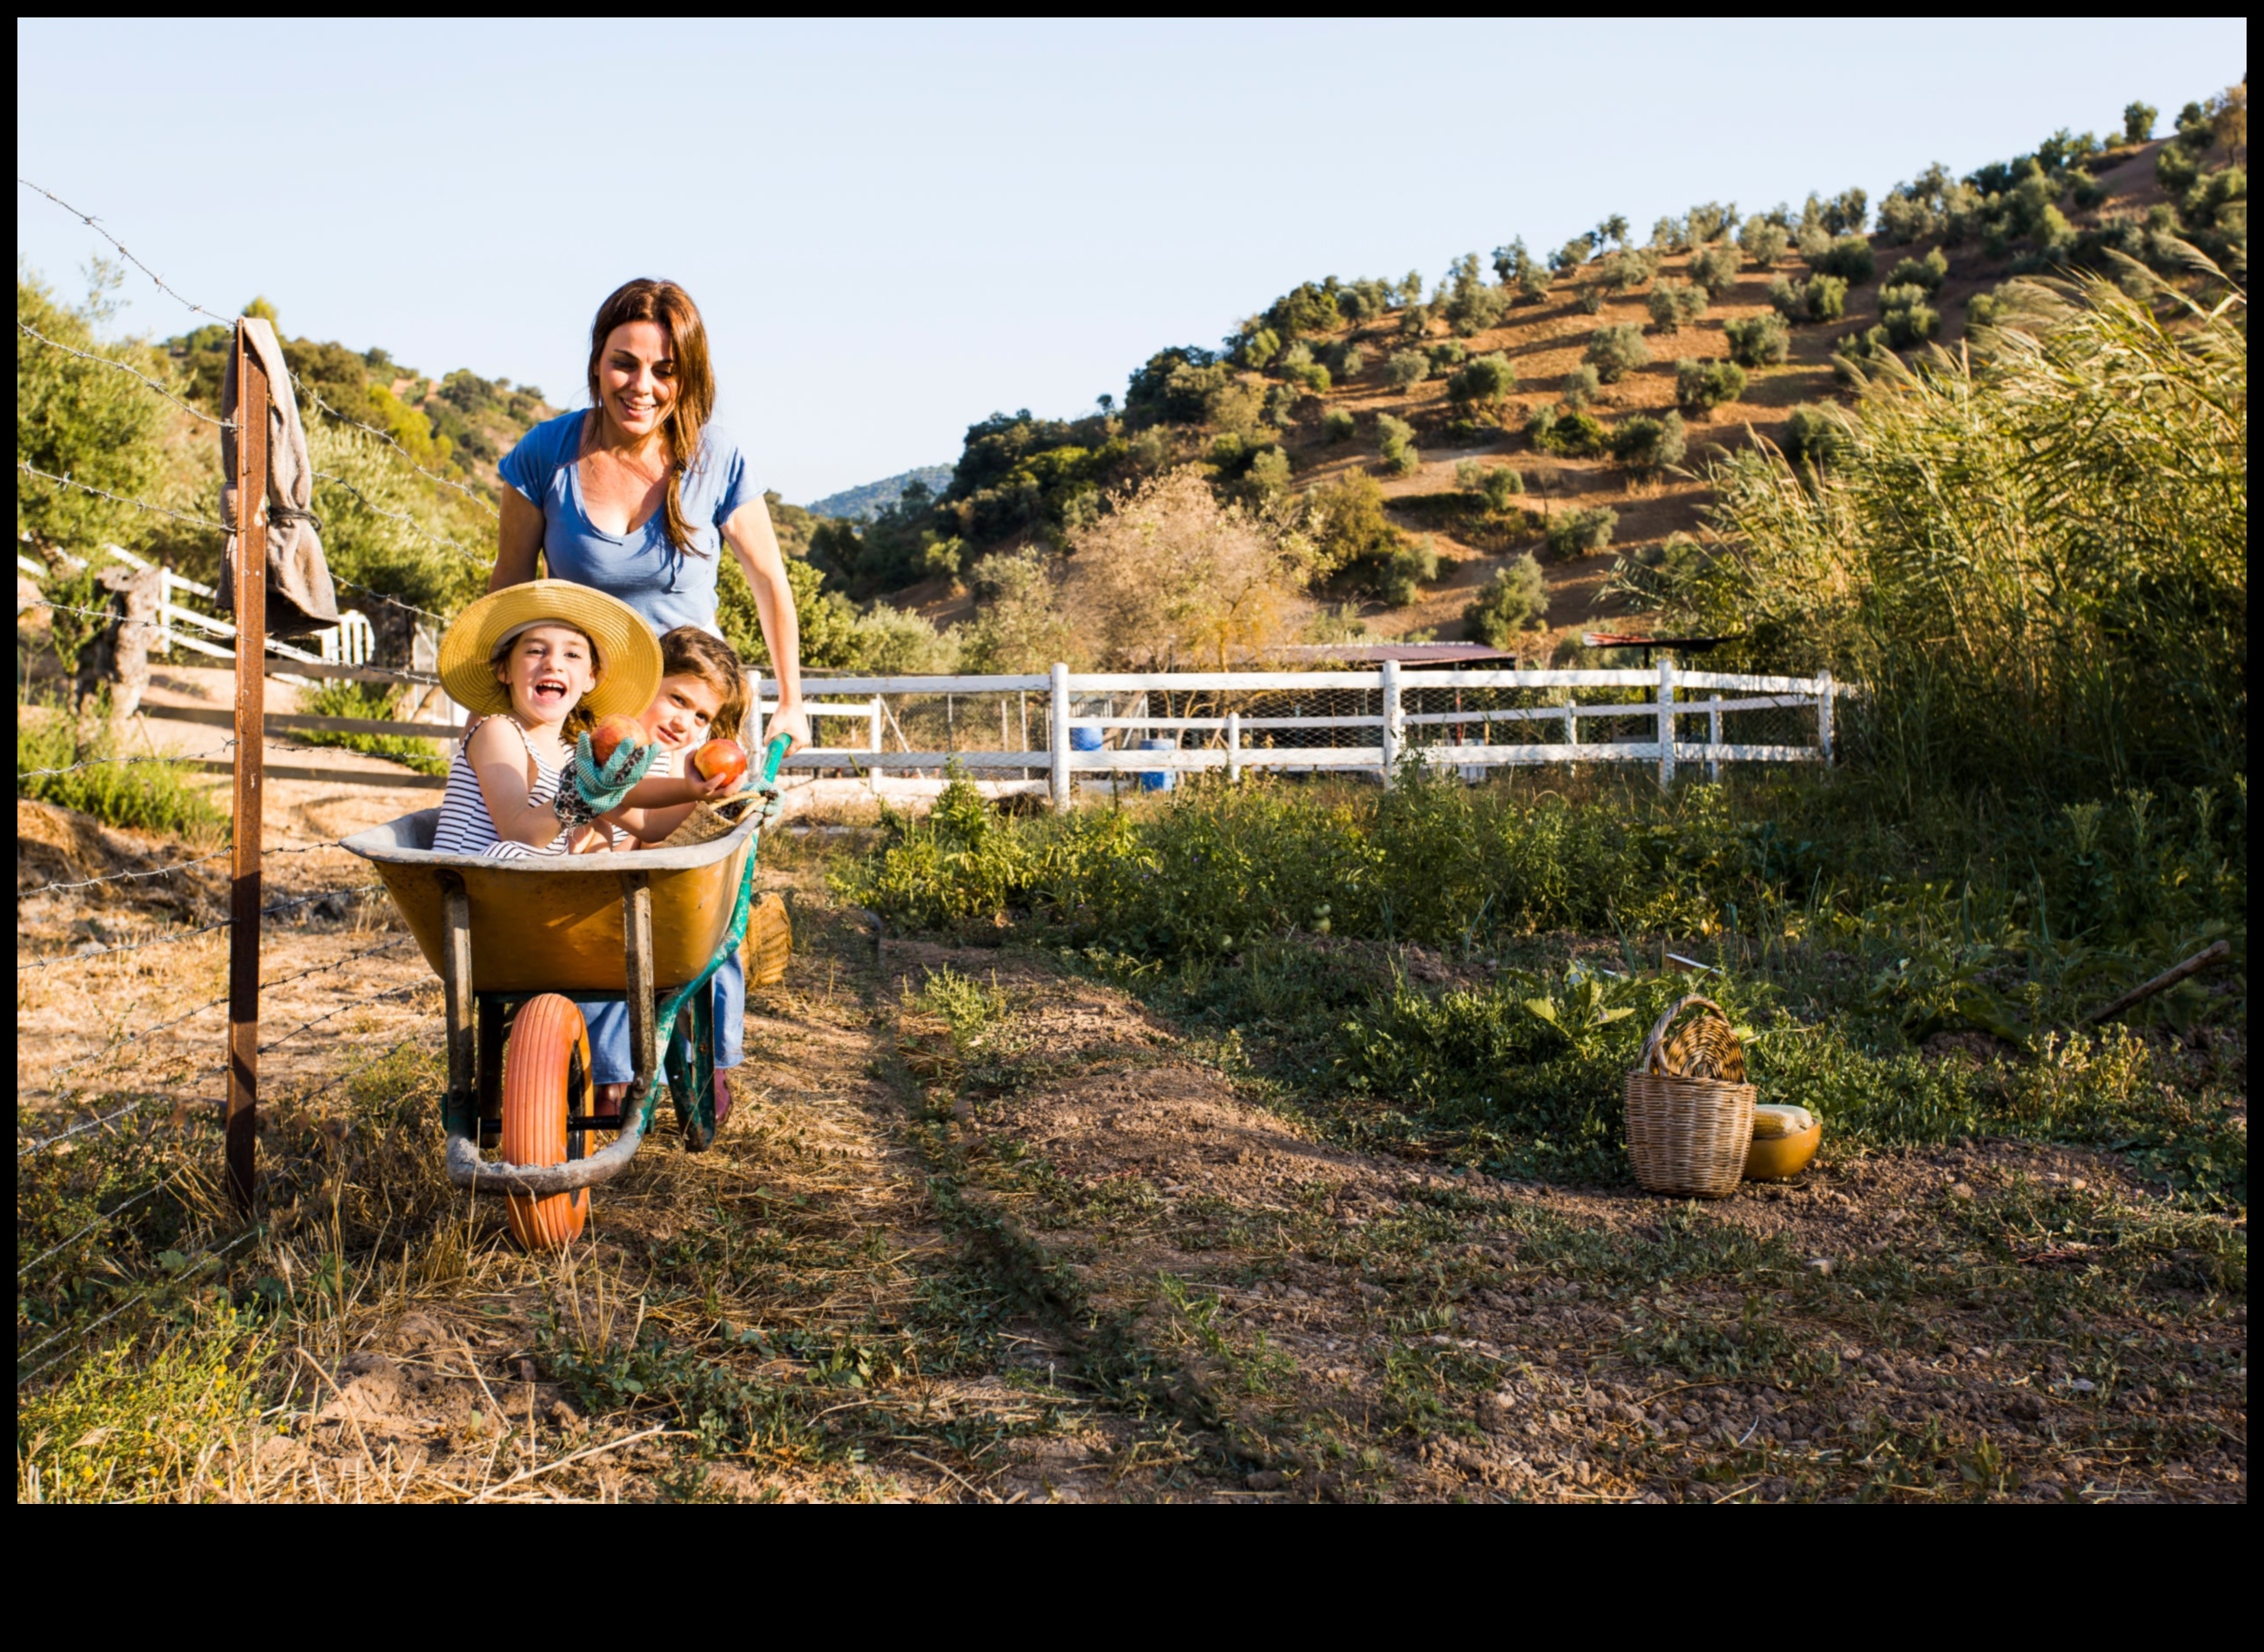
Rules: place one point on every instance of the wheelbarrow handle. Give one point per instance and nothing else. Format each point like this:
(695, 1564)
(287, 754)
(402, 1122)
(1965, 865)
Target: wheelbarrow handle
(774, 755)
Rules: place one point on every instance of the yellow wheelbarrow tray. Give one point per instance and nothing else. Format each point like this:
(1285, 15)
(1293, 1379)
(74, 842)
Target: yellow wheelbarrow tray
(632, 925)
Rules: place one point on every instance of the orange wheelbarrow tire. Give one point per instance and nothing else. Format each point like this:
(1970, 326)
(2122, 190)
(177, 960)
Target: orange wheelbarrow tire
(547, 1059)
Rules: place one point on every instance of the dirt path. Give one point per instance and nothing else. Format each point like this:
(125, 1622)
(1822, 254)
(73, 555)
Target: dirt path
(982, 1228)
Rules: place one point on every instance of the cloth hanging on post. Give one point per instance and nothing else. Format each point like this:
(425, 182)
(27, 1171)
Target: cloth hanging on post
(300, 599)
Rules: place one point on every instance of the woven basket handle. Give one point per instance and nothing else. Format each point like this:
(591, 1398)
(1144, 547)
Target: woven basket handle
(1659, 1030)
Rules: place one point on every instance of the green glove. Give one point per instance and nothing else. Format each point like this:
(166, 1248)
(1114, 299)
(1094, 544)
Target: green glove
(595, 790)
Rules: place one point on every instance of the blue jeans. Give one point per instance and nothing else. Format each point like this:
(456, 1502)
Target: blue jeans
(609, 1026)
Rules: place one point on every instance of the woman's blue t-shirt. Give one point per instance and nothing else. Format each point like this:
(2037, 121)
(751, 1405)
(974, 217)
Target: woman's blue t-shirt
(669, 586)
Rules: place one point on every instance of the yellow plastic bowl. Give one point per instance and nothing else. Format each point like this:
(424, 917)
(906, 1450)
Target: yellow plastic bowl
(1774, 1157)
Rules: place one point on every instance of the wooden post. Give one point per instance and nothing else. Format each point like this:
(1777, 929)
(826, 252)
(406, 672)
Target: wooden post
(1392, 726)
(1234, 748)
(1824, 716)
(1058, 735)
(244, 895)
(459, 1111)
(872, 717)
(637, 977)
(1665, 721)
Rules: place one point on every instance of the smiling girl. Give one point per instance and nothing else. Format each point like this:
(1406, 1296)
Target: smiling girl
(539, 661)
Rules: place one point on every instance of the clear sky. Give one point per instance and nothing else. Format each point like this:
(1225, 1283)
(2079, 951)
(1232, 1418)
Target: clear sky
(896, 229)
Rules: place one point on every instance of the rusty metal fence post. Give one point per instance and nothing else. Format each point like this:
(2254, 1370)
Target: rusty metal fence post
(244, 895)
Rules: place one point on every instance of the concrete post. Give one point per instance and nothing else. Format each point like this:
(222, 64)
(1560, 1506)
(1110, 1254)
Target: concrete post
(1234, 748)
(1824, 715)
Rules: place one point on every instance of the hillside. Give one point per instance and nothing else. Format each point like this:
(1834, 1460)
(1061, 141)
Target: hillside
(1300, 402)
(863, 503)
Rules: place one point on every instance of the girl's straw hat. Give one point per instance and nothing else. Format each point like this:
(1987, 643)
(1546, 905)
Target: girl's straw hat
(628, 654)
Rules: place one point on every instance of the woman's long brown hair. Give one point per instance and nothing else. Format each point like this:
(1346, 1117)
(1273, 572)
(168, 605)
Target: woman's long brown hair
(669, 306)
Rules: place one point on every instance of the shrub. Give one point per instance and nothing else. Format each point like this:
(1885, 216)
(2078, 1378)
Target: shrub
(1299, 354)
(1580, 387)
(1448, 355)
(1859, 354)
(1399, 578)
(1405, 368)
(1470, 306)
(1337, 425)
(1666, 236)
(1701, 386)
(2138, 123)
(1715, 267)
(1573, 435)
(1268, 472)
(1578, 533)
(1825, 297)
(1260, 348)
(1643, 443)
(1500, 485)
(1415, 321)
(1909, 319)
(1672, 303)
(1791, 302)
(1711, 221)
(1486, 382)
(1759, 341)
(1628, 268)
(2175, 170)
(1928, 272)
(1813, 438)
(1513, 601)
(1848, 258)
(1984, 309)
(1396, 445)
(1588, 297)
(1349, 359)
(1845, 213)
(1763, 240)
(143, 796)
(1616, 350)
(1313, 376)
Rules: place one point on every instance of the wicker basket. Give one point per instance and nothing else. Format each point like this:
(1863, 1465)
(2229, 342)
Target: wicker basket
(1689, 1110)
(770, 941)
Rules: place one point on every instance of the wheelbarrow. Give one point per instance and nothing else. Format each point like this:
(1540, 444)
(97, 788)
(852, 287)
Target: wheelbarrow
(514, 942)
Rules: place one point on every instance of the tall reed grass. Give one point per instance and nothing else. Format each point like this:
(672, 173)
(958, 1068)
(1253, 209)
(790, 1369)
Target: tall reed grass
(2030, 558)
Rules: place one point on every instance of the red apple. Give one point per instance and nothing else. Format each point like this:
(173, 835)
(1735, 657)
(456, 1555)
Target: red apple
(609, 734)
(722, 760)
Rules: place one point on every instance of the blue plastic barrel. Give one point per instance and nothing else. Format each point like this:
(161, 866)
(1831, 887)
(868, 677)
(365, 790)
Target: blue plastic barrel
(1085, 740)
(1158, 779)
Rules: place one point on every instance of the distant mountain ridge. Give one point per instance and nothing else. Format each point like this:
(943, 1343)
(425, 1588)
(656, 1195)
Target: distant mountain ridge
(863, 503)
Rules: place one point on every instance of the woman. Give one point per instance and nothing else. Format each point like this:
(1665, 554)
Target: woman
(637, 497)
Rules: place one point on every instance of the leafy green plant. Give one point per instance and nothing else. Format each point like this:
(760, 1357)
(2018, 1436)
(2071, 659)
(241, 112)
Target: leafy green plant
(1615, 350)
(1849, 258)
(1715, 268)
(1581, 1007)
(2138, 123)
(1701, 386)
(1675, 304)
(1926, 274)
(1580, 387)
(1573, 435)
(1824, 298)
(117, 788)
(1404, 369)
(1337, 424)
(1908, 318)
(1484, 382)
(1763, 240)
(1578, 533)
(1757, 341)
(1514, 600)
(1643, 443)
(1396, 445)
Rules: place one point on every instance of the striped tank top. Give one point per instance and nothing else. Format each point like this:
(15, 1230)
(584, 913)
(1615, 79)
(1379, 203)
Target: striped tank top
(467, 829)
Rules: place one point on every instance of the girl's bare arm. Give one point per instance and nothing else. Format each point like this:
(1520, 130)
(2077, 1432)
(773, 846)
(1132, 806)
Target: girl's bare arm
(500, 764)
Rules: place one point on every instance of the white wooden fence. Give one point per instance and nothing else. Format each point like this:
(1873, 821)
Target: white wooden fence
(1673, 700)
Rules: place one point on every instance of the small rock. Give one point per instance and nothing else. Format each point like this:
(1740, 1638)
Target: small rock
(563, 1416)
(1820, 1266)
(1962, 1190)
(2078, 1184)
(1264, 1479)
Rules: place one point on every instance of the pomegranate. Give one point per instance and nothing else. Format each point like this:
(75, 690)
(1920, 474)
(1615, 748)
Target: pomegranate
(607, 738)
(722, 760)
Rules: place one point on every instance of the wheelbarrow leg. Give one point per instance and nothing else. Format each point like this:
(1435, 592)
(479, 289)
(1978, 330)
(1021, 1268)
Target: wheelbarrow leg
(636, 929)
(494, 1016)
(461, 1112)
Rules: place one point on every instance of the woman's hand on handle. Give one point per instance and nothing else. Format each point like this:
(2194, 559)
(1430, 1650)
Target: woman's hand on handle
(791, 721)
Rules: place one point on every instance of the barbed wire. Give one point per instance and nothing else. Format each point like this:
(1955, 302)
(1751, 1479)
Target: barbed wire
(140, 1033)
(95, 225)
(359, 1003)
(142, 1295)
(88, 355)
(389, 599)
(191, 934)
(102, 1220)
(211, 522)
(47, 1142)
(393, 442)
(407, 521)
(23, 775)
(117, 878)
